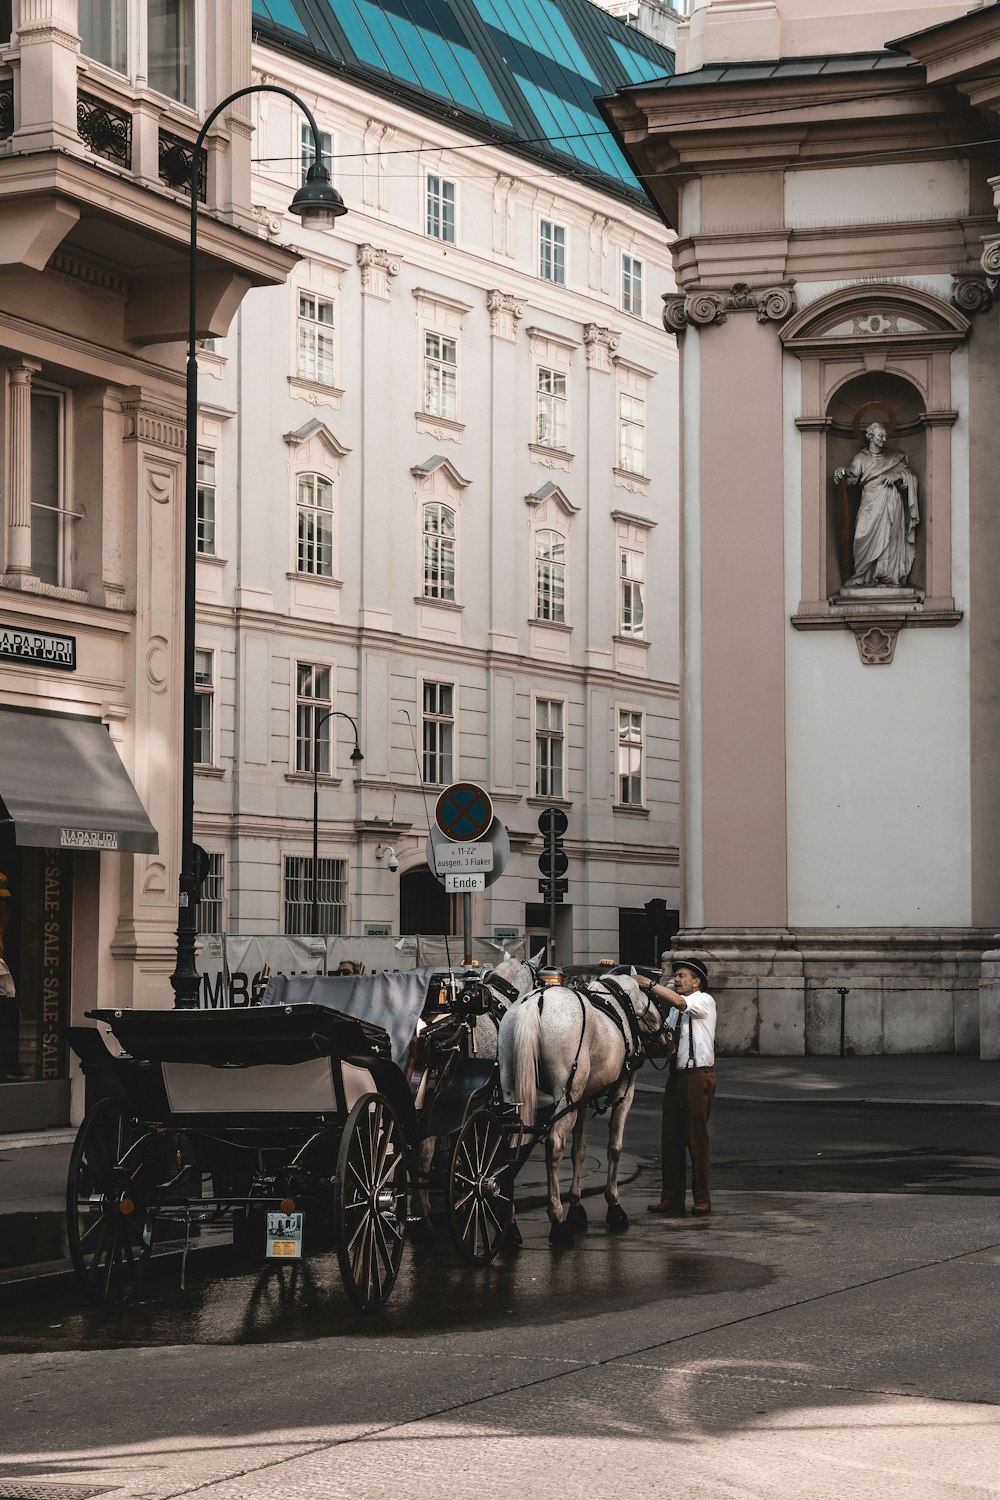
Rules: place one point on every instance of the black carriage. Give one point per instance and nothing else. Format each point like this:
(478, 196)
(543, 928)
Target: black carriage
(293, 1124)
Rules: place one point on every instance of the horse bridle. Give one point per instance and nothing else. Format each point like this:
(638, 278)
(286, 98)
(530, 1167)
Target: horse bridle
(662, 1031)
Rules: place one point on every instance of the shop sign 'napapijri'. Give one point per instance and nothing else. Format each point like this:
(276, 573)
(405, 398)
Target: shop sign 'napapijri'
(38, 646)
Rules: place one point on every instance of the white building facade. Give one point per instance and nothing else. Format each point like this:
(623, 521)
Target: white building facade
(440, 497)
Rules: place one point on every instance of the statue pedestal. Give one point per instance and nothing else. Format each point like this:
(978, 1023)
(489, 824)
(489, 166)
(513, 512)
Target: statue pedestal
(874, 602)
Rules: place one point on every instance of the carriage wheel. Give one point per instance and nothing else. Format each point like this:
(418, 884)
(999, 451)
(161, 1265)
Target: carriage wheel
(109, 1229)
(480, 1188)
(370, 1201)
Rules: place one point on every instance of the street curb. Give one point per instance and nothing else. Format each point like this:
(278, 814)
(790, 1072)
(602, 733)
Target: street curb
(872, 1103)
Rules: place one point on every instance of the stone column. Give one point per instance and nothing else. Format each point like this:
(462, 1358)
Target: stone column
(19, 467)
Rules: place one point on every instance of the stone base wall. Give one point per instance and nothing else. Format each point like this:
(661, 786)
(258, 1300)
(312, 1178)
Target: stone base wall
(909, 989)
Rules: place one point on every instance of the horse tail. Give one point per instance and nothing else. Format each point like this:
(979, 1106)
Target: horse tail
(527, 1035)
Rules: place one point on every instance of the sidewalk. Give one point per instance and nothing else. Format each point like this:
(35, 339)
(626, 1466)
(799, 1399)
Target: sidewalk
(33, 1166)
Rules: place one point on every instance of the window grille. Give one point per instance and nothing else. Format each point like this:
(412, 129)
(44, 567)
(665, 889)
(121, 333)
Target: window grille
(211, 904)
(331, 896)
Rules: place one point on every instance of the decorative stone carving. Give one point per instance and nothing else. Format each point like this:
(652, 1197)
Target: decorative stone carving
(772, 304)
(973, 294)
(886, 528)
(505, 312)
(156, 429)
(876, 643)
(990, 261)
(600, 343)
(269, 222)
(377, 267)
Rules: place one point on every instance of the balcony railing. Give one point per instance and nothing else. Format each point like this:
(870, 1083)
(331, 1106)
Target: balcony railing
(175, 157)
(105, 129)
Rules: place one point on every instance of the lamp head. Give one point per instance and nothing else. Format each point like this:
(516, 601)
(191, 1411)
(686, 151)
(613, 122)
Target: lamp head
(356, 756)
(317, 201)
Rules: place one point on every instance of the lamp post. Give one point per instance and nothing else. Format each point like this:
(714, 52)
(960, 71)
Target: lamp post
(356, 759)
(318, 204)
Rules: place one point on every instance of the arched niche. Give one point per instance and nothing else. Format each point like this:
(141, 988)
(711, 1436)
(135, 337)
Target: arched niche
(875, 351)
(875, 396)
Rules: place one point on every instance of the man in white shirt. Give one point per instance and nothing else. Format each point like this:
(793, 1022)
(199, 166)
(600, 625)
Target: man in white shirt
(687, 1098)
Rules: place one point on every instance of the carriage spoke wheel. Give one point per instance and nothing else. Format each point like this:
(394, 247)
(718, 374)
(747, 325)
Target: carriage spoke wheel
(109, 1229)
(480, 1188)
(370, 1201)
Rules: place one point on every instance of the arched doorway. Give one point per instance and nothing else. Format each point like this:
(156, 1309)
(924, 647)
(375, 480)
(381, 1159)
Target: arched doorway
(424, 905)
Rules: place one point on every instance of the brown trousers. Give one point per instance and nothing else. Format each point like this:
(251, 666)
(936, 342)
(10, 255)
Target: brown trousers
(687, 1105)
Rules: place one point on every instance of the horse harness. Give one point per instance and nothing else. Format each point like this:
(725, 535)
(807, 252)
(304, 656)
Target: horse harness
(626, 1021)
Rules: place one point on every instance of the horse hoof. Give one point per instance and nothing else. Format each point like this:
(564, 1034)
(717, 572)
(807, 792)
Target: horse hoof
(512, 1239)
(617, 1218)
(576, 1218)
(560, 1233)
(420, 1231)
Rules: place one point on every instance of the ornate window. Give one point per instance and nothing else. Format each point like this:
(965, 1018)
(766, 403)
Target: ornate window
(110, 29)
(438, 732)
(51, 516)
(439, 551)
(439, 220)
(551, 408)
(440, 376)
(631, 433)
(631, 587)
(550, 577)
(315, 525)
(549, 740)
(206, 502)
(315, 360)
(631, 285)
(630, 746)
(552, 252)
(204, 707)
(307, 147)
(313, 702)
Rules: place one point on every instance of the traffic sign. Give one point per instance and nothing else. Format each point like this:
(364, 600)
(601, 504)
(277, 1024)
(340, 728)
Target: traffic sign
(553, 889)
(463, 812)
(554, 863)
(454, 884)
(552, 820)
(461, 859)
(496, 839)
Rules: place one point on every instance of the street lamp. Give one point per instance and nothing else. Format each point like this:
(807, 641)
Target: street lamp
(318, 204)
(356, 759)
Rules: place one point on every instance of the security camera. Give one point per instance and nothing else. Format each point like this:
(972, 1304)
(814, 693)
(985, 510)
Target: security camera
(392, 863)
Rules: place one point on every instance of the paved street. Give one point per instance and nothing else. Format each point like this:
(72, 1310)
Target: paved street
(830, 1332)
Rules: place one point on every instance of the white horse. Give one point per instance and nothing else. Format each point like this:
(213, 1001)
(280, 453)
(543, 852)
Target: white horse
(506, 983)
(558, 1052)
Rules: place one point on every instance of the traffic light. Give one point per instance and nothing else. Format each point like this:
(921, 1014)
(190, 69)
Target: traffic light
(553, 860)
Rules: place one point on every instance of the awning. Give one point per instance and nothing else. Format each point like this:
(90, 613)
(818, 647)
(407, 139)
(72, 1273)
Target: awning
(64, 786)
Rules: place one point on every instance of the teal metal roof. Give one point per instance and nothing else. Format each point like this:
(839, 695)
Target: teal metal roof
(525, 73)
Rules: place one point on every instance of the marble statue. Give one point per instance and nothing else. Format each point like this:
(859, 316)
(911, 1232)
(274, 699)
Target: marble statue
(888, 518)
